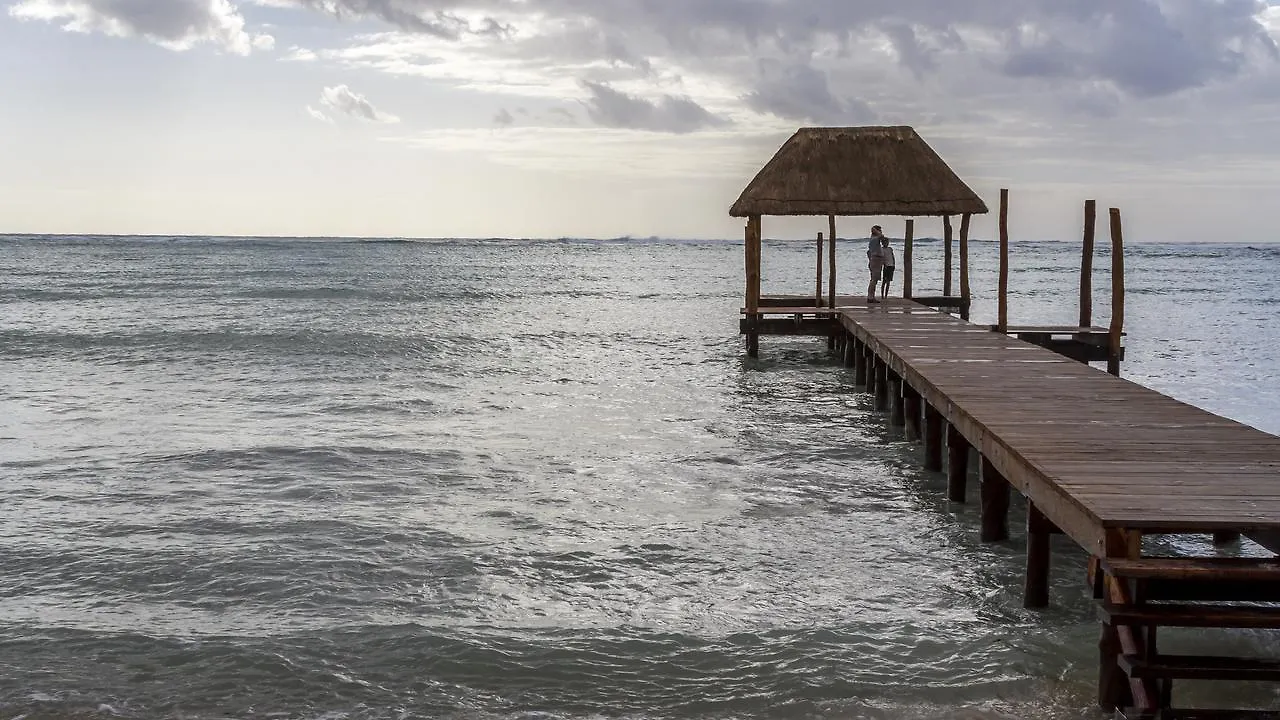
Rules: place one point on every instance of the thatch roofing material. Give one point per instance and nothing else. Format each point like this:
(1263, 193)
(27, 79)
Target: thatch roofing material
(857, 171)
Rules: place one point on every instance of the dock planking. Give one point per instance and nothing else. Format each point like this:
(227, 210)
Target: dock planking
(1094, 452)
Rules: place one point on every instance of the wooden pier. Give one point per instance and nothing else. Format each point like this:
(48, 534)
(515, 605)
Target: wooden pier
(1098, 458)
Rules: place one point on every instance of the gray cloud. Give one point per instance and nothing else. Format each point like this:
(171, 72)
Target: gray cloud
(503, 118)
(611, 108)
(796, 91)
(341, 99)
(176, 24)
(814, 60)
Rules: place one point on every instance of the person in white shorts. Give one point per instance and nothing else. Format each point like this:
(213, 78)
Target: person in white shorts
(875, 262)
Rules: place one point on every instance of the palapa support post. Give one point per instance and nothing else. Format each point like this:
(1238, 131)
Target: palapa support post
(831, 257)
(817, 292)
(1004, 261)
(911, 410)
(897, 415)
(957, 464)
(964, 265)
(932, 439)
(1117, 294)
(946, 256)
(1086, 265)
(1035, 591)
(753, 282)
(995, 503)
(882, 386)
(907, 240)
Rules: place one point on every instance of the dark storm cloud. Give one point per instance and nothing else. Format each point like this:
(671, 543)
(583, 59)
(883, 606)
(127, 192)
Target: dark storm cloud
(615, 109)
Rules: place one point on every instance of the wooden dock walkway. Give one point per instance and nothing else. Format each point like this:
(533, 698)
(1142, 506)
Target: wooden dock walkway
(1099, 458)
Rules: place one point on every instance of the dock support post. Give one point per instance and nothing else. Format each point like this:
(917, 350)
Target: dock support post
(831, 342)
(1114, 688)
(1086, 265)
(753, 281)
(882, 386)
(1225, 537)
(897, 414)
(957, 464)
(964, 265)
(1117, 294)
(872, 363)
(850, 350)
(995, 504)
(1035, 593)
(932, 439)
(860, 364)
(911, 411)
(1003, 303)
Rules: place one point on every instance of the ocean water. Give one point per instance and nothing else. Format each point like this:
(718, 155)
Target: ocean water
(327, 478)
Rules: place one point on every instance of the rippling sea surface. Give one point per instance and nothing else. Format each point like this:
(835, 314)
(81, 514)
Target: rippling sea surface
(322, 478)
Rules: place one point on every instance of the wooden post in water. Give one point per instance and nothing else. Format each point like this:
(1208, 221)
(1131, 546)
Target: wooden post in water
(946, 257)
(850, 350)
(1117, 294)
(817, 292)
(964, 265)
(860, 364)
(832, 258)
(753, 281)
(995, 504)
(1035, 591)
(1004, 260)
(911, 411)
(882, 386)
(932, 439)
(1086, 265)
(906, 258)
(897, 414)
(957, 464)
(873, 363)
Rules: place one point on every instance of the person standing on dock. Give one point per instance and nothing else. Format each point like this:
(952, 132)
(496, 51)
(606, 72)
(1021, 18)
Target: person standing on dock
(875, 262)
(886, 259)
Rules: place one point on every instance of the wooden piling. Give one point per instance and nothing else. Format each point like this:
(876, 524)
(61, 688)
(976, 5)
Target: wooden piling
(817, 292)
(907, 240)
(995, 503)
(1036, 588)
(850, 350)
(831, 257)
(753, 281)
(911, 411)
(873, 363)
(1226, 537)
(860, 364)
(932, 439)
(1004, 261)
(964, 265)
(882, 386)
(1117, 294)
(1086, 265)
(946, 257)
(897, 414)
(957, 464)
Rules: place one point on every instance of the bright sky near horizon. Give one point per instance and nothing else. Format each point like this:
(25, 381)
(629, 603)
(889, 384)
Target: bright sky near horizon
(601, 118)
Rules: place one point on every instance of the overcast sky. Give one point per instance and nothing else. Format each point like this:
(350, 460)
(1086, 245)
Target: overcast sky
(601, 118)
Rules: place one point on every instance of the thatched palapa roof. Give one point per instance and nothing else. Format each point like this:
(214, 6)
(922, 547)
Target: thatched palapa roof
(857, 171)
